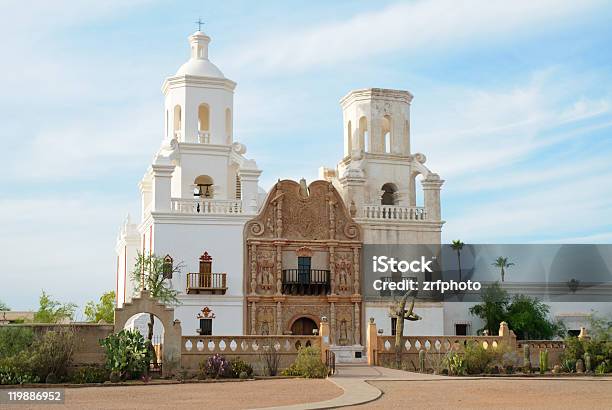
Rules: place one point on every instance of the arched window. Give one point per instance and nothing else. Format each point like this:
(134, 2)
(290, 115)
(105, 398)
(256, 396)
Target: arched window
(204, 124)
(363, 133)
(349, 137)
(228, 125)
(177, 121)
(388, 196)
(386, 133)
(203, 187)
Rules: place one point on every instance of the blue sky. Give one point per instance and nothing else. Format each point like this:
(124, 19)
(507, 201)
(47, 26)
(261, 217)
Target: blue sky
(513, 108)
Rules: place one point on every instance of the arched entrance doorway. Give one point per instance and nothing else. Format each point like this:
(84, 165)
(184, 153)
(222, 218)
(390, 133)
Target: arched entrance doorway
(303, 326)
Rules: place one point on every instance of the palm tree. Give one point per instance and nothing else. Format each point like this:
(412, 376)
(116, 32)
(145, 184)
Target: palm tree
(502, 263)
(151, 273)
(457, 246)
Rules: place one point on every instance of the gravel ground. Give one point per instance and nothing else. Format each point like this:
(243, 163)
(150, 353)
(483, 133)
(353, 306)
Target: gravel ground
(236, 395)
(504, 393)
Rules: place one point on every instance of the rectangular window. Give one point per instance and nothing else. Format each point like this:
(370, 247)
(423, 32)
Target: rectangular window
(461, 329)
(206, 327)
(393, 326)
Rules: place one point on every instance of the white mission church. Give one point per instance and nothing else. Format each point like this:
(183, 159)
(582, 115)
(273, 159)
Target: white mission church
(276, 262)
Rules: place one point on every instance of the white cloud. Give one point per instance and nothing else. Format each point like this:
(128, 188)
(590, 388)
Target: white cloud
(413, 27)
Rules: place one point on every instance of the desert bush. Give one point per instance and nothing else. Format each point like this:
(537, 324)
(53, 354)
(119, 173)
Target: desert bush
(128, 353)
(51, 354)
(599, 349)
(18, 369)
(308, 364)
(270, 356)
(455, 363)
(215, 366)
(480, 360)
(15, 339)
(239, 366)
(89, 374)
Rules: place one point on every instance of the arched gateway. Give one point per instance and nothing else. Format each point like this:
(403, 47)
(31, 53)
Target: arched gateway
(144, 303)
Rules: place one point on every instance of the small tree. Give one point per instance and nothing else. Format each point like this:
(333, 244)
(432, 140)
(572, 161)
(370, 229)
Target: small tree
(493, 307)
(4, 306)
(52, 311)
(502, 263)
(152, 273)
(104, 310)
(457, 246)
(528, 318)
(399, 311)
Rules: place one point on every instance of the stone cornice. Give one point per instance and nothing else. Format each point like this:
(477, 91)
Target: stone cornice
(198, 219)
(369, 94)
(197, 82)
(197, 148)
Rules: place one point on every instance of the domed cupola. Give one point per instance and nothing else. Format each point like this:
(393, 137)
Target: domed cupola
(199, 99)
(199, 64)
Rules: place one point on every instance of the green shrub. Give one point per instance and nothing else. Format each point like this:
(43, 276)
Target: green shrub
(18, 369)
(127, 353)
(480, 360)
(51, 353)
(238, 366)
(14, 339)
(599, 350)
(568, 365)
(604, 367)
(307, 364)
(89, 374)
(455, 364)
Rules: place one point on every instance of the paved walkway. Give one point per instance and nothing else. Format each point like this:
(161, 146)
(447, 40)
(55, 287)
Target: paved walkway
(353, 380)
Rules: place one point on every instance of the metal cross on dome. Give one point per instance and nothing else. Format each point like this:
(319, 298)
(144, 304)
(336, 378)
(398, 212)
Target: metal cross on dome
(199, 23)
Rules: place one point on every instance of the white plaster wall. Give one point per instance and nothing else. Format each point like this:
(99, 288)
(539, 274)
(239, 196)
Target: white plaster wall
(188, 238)
(228, 314)
(432, 323)
(215, 164)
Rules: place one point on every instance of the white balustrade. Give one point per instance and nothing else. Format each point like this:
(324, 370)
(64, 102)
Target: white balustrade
(206, 206)
(393, 213)
(204, 137)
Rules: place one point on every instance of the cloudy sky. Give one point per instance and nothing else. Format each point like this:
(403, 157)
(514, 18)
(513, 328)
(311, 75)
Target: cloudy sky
(513, 108)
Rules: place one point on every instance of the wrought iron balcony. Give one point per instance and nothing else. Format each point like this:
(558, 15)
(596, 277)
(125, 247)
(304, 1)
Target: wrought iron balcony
(214, 283)
(306, 281)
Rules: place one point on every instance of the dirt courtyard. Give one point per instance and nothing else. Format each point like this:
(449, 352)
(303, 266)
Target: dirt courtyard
(506, 393)
(233, 395)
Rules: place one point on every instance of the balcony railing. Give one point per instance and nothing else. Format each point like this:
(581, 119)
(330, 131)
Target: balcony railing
(203, 137)
(215, 283)
(393, 213)
(306, 281)
(206, 206)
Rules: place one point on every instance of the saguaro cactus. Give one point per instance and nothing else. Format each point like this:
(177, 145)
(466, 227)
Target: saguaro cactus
(398, 310)
(526, 358)
(422, 361)
(587, 362)
(543, 361)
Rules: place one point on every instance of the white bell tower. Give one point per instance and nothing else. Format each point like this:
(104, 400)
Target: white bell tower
(199, 100)
(378, 174)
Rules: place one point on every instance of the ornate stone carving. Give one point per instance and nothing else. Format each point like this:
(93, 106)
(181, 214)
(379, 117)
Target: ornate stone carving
(343, 265)
(344, 325)
(265, 320)
(265, 270)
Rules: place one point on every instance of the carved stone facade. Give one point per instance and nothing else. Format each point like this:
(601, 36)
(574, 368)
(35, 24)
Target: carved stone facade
(302, 256)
